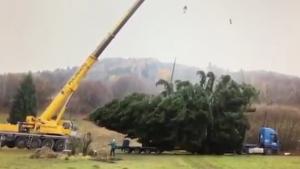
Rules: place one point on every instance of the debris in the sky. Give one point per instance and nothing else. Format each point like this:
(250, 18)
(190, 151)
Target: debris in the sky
(185, 8)
(230, 21)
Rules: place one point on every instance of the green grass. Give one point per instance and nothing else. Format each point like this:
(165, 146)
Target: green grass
(19, 159)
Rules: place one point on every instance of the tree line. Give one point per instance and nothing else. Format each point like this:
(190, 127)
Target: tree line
(91, 93)
(206, 117)
(28, 94)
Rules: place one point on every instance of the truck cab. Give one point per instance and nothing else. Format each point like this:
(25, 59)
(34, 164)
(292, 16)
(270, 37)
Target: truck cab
(268, 143)
(268, 140)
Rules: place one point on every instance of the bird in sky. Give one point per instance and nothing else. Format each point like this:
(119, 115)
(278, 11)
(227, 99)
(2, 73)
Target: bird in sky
(185, 8)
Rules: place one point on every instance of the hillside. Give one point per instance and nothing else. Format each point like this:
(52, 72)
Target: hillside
(117, 77)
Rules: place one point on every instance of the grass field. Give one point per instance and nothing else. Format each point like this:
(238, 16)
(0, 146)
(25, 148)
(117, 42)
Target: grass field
(19, 159)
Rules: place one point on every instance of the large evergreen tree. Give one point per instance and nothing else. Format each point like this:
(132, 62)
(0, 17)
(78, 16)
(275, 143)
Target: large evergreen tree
(25, 102)
(201, 118)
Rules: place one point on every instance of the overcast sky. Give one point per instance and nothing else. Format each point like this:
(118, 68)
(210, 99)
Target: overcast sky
(48, 34)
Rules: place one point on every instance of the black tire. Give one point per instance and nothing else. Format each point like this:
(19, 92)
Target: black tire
(48, 142)
(2, 142)
(158, 151)
(10, 144)
(21, 142)
(137, 151)
(275, 152)
(268, 151)
(59, 145)
(126, 150)
(35, 143)
(147, 151)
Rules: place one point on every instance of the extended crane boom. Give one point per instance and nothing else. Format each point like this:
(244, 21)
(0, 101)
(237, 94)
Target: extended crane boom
(49, 129)
(71, 86)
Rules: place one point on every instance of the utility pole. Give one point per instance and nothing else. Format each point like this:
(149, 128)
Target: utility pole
(173, 70)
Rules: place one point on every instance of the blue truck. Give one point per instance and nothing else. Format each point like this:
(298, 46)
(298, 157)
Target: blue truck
(268, 143)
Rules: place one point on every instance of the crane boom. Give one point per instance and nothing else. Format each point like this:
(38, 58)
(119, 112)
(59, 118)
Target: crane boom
(71, 86)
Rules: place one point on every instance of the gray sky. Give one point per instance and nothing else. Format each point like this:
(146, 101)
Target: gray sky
(49, 34)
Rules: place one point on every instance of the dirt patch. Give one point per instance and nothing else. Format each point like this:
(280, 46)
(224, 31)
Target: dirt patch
(44, 152)
(102, 136)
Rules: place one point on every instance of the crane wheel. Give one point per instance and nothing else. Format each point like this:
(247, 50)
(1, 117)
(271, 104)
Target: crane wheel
(48, 142)
(59, 145)
(35, 143)
(10, 144)
(21, 142)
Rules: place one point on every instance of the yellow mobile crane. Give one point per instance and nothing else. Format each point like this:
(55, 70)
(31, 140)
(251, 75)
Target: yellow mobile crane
(49, 129)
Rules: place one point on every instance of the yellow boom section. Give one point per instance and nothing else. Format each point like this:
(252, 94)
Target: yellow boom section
(62, 97)
(56, 108)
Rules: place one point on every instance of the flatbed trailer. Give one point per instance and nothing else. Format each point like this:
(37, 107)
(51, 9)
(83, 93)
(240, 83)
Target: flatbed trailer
(138, 149)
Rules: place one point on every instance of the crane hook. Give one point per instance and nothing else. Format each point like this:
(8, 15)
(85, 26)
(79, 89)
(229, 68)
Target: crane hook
(185, 8)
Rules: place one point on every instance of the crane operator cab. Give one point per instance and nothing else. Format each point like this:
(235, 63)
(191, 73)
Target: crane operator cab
(69, 125)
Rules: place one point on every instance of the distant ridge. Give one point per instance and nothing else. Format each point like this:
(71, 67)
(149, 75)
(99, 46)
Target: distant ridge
(117, 77)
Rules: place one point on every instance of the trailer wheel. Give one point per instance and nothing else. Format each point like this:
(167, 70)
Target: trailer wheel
(35, 143)
(126, 150)
(48, 142)
(21, 142)
(137, 150)
(148, 151)
(59, 145)
(158, 151)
